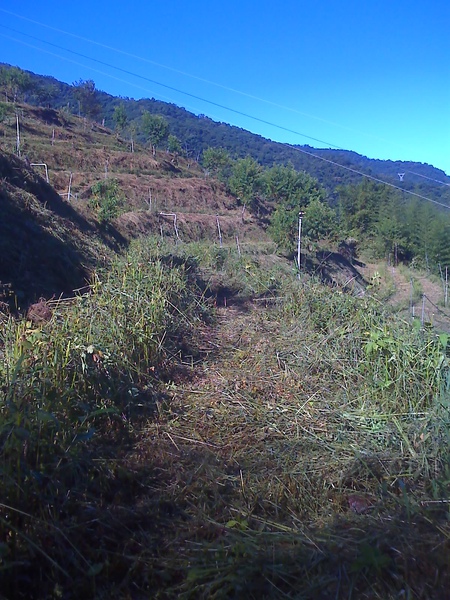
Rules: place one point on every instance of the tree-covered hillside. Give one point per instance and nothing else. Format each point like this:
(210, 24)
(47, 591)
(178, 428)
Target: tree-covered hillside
(196, 133)
(273, 181)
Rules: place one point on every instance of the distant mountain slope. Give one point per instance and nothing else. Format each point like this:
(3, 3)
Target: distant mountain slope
(198, 132)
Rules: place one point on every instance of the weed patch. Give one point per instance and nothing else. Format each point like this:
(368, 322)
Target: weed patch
(155, 446)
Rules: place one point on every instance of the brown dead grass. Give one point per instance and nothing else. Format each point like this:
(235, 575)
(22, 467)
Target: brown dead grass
(267, 485)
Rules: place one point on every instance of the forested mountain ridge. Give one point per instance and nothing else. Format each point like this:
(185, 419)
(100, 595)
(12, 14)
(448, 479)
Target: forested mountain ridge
(199, 402)
(196, 133)
(273, 182)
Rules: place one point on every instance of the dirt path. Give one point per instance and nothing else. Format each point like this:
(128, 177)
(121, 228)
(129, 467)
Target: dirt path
(427, 295)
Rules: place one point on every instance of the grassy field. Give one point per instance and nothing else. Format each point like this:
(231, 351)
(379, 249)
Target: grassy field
(206, 425)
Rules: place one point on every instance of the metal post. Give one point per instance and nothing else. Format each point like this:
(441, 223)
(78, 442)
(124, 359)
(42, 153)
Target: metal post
(70, 187)
(174, 215)
(422, 320)
(299, 245)
(18, 135)
(218, 229)
(411, 299)
(446, 287)
(41, 165)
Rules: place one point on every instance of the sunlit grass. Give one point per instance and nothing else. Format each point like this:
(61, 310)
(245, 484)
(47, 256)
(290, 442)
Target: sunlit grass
(291, 443)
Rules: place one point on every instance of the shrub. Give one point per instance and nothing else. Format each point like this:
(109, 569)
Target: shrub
(107, 199)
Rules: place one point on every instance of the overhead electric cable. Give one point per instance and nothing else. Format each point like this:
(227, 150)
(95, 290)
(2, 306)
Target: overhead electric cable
(298, 149)
(184, 73)
(430, 178)
(74, 62)
(174, 89)
(396, 187)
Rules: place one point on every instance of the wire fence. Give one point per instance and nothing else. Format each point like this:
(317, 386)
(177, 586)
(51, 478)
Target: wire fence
(430, 314)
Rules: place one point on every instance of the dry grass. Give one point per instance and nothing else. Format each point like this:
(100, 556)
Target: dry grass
(289, 442)
(259, 458)
(288, 488)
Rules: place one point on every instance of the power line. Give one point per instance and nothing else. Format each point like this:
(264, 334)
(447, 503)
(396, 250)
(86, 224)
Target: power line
(184, 73)
(174, 89)
(430, 178)
(396, 187)
(298, 149)
(74, 62)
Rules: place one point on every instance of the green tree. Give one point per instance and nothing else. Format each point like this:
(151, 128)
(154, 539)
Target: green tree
(420, 217)
(245, 181)
(156, 129)
(440, 242)
(45, 93)
(294, 188)
(15, 81)
(217, 162)
(319, 221)
(359, 205)
(120, 117)
(174, 145)
(306, 196)
(87, 96)
(391, 229)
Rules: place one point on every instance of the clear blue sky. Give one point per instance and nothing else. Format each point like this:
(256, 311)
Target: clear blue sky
(373, 77)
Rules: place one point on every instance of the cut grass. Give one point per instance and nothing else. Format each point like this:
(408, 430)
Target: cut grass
(289, 449)
(298, 489)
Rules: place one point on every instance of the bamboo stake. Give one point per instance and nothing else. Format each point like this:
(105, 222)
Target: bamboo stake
(18, 135)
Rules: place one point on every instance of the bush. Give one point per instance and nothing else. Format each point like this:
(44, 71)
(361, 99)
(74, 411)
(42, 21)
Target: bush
(70, 387)
(107, 199)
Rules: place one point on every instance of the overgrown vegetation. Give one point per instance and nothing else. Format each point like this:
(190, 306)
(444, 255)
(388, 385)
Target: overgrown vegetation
(71, 390)
(206, 421)
(106, 200)
(293, 445)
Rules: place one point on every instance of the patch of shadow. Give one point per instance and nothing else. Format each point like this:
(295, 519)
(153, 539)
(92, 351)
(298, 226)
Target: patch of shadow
(16, 172)
(34, 260)
(336, 269)
(169, 167)
(49, 116)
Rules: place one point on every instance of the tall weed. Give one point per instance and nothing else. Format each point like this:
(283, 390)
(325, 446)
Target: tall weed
(399, 365)
(68, 385)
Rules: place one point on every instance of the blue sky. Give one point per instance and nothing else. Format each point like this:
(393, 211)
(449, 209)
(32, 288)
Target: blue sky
(373, 77)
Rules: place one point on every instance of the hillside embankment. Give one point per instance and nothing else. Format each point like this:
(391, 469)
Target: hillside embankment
(200, 420)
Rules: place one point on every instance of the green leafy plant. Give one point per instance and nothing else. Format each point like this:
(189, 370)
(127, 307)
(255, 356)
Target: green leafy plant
(371, 558)
(107, 200)
(155, 128)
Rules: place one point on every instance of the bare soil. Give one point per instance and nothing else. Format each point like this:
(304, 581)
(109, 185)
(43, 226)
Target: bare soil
(411, 293)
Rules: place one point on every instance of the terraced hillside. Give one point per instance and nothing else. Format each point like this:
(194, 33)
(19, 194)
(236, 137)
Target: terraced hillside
(52, 233)
(199, 420)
